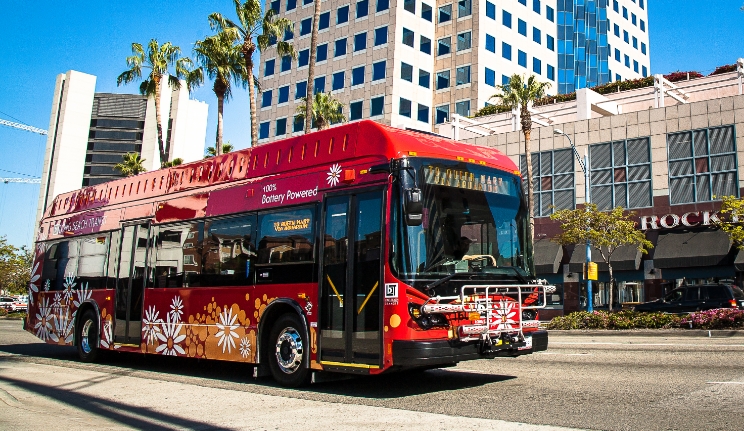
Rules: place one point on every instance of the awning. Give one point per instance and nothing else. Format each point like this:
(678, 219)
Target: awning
(679, 249)
(739, 262)
(548, 256)
(625, 258)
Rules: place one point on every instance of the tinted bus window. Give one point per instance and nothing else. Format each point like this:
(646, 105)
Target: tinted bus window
(60, 262)
(92, 261)
(229, 251)
(178, 255)
(286, 238)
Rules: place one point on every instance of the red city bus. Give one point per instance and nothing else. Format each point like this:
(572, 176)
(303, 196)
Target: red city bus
(358, 249)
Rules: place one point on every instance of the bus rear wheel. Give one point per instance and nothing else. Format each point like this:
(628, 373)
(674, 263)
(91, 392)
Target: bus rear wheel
(87, 337)
(286, 351)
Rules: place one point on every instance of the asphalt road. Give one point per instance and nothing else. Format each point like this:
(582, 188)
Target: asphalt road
(616, 382)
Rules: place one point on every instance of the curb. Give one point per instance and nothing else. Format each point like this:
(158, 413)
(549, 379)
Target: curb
(713, 333)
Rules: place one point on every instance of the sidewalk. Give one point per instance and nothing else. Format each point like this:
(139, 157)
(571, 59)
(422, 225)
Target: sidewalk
(700, 333)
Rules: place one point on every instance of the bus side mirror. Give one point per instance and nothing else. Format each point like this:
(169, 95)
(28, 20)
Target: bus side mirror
(413, 206)
(382, 168)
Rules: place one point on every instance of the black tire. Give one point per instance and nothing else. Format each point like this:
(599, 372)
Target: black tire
(286, 351)
(87, 337)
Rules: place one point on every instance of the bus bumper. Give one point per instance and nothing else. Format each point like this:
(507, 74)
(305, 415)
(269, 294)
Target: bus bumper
(443, 352)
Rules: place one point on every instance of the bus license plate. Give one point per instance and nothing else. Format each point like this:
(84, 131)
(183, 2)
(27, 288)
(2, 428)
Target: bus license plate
(528, 342)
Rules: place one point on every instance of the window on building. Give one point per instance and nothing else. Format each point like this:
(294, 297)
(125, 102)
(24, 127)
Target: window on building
(423, 113)
(551, 73)
(462, 75)
(504, 79)
(490, 43)
(617, 54)
(506, 50)
(643, 25)
(306, 2)
(635, 66)
(263, 130)
(463, 41)
(627, 62)
(404, 107)
(550, 13)
(269, 67)
(406, 72)
(702, 164)
(266, 96)
(324, 21)
(291, 5)
(355, 110)
(381, 35)
(552, 180)
(357, 76)
(382, 5)
(283, 94)
(376, 106)
(536, 35)
(464, 8)
(625, 12)
(424, 78)
(339, 47)
(643, 48)
(322, 53)
(615, 6)
(360, 41)
(426, 12)
(275, 5)
(410, 6)
(490, 77)
(645, 71)
(536, 66)
(342, 15)
(523, 2)
(378, 70)
(633, 19)
(550, 42)
(536, 6)
(618, 77)
(522, 58)
(506, 19)
(616, 29)
(491, 10)
(444, 46)
(319, 86)
(281, 127)
(303, 58)
(298, 124)
(288, 34)
(407, 37)
(286, 63)
(300, 90)
(443, 79)
(442, 114)
(362, 8)
(642, 4)
(626, 37)
(635, 42)
(621, 174)
(339, 80)
(462, 108)
(425, 45)
(444, 13)
(306, 26)
(521, 27)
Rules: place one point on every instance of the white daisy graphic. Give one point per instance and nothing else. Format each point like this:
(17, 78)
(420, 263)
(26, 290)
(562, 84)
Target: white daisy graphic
(245, 347)
(170, 338)
(107, 335)
(57, 301)
(334, 175)
(176, 309)
(151, 325)
(32, 288)
(227, 327)
(47, 284)
(43, 320)
(63, 327)
(504, 315)
(82, 294)
(68, 285)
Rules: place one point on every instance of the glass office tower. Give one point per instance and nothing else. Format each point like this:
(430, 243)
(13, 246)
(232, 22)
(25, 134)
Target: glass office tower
(582, 44)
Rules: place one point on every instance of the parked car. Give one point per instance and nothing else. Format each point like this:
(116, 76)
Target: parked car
(8, 303)
(698, 297)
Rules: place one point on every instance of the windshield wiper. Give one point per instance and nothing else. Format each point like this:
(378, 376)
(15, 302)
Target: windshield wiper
(447, 278)
(519, 276)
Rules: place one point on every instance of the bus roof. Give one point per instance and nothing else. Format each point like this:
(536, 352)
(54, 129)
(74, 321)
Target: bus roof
(359, 140)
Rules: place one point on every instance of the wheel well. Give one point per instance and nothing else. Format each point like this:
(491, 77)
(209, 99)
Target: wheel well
(270, 315)
(84, 307)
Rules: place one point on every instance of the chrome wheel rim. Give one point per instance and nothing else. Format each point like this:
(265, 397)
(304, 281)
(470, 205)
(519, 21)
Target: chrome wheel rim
(289, 350)
(85, 337)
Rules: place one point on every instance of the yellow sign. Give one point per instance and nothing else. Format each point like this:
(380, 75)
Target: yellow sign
(591, 272)
(291, 225)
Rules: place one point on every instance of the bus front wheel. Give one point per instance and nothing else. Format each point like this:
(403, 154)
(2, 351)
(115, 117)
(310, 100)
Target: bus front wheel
(286, 351)
(87, 337)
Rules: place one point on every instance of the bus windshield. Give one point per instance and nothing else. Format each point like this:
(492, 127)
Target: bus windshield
(474, 221)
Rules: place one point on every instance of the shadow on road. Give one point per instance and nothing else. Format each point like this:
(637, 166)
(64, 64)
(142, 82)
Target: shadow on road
(131, 416)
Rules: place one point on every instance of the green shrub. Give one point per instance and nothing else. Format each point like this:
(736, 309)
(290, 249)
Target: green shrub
(625, 319)
(3, 312)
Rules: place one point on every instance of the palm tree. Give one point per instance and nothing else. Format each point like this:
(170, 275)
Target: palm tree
(311, 68)
(131, 164)
(325, 110)
(519, 94)
(158, 59)
(175, 162)
(219, 58)
(226, 148)
(256, 32)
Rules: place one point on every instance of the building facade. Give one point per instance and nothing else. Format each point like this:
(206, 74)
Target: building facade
(89, 133)
(414, 63)
(665, 154)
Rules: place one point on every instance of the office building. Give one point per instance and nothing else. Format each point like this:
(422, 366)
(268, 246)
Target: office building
(414, 63)
(89, 133)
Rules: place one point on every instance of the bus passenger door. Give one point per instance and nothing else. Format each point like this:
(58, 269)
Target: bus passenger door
(350, 301)
(130, 283)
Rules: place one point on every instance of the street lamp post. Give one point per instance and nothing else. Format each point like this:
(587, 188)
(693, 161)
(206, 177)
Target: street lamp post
(585, 169)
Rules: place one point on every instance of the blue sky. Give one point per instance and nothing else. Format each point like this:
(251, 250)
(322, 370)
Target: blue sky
(43, 39)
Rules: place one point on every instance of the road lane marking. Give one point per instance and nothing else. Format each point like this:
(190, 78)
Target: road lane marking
(565, 354)
(724, 383)
(645, 344)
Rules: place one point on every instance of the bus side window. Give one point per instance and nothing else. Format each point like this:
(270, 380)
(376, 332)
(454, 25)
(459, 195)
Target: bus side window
(286, 238)
(60, 265)
(92, 264)
(178, 255)
(229, 251)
